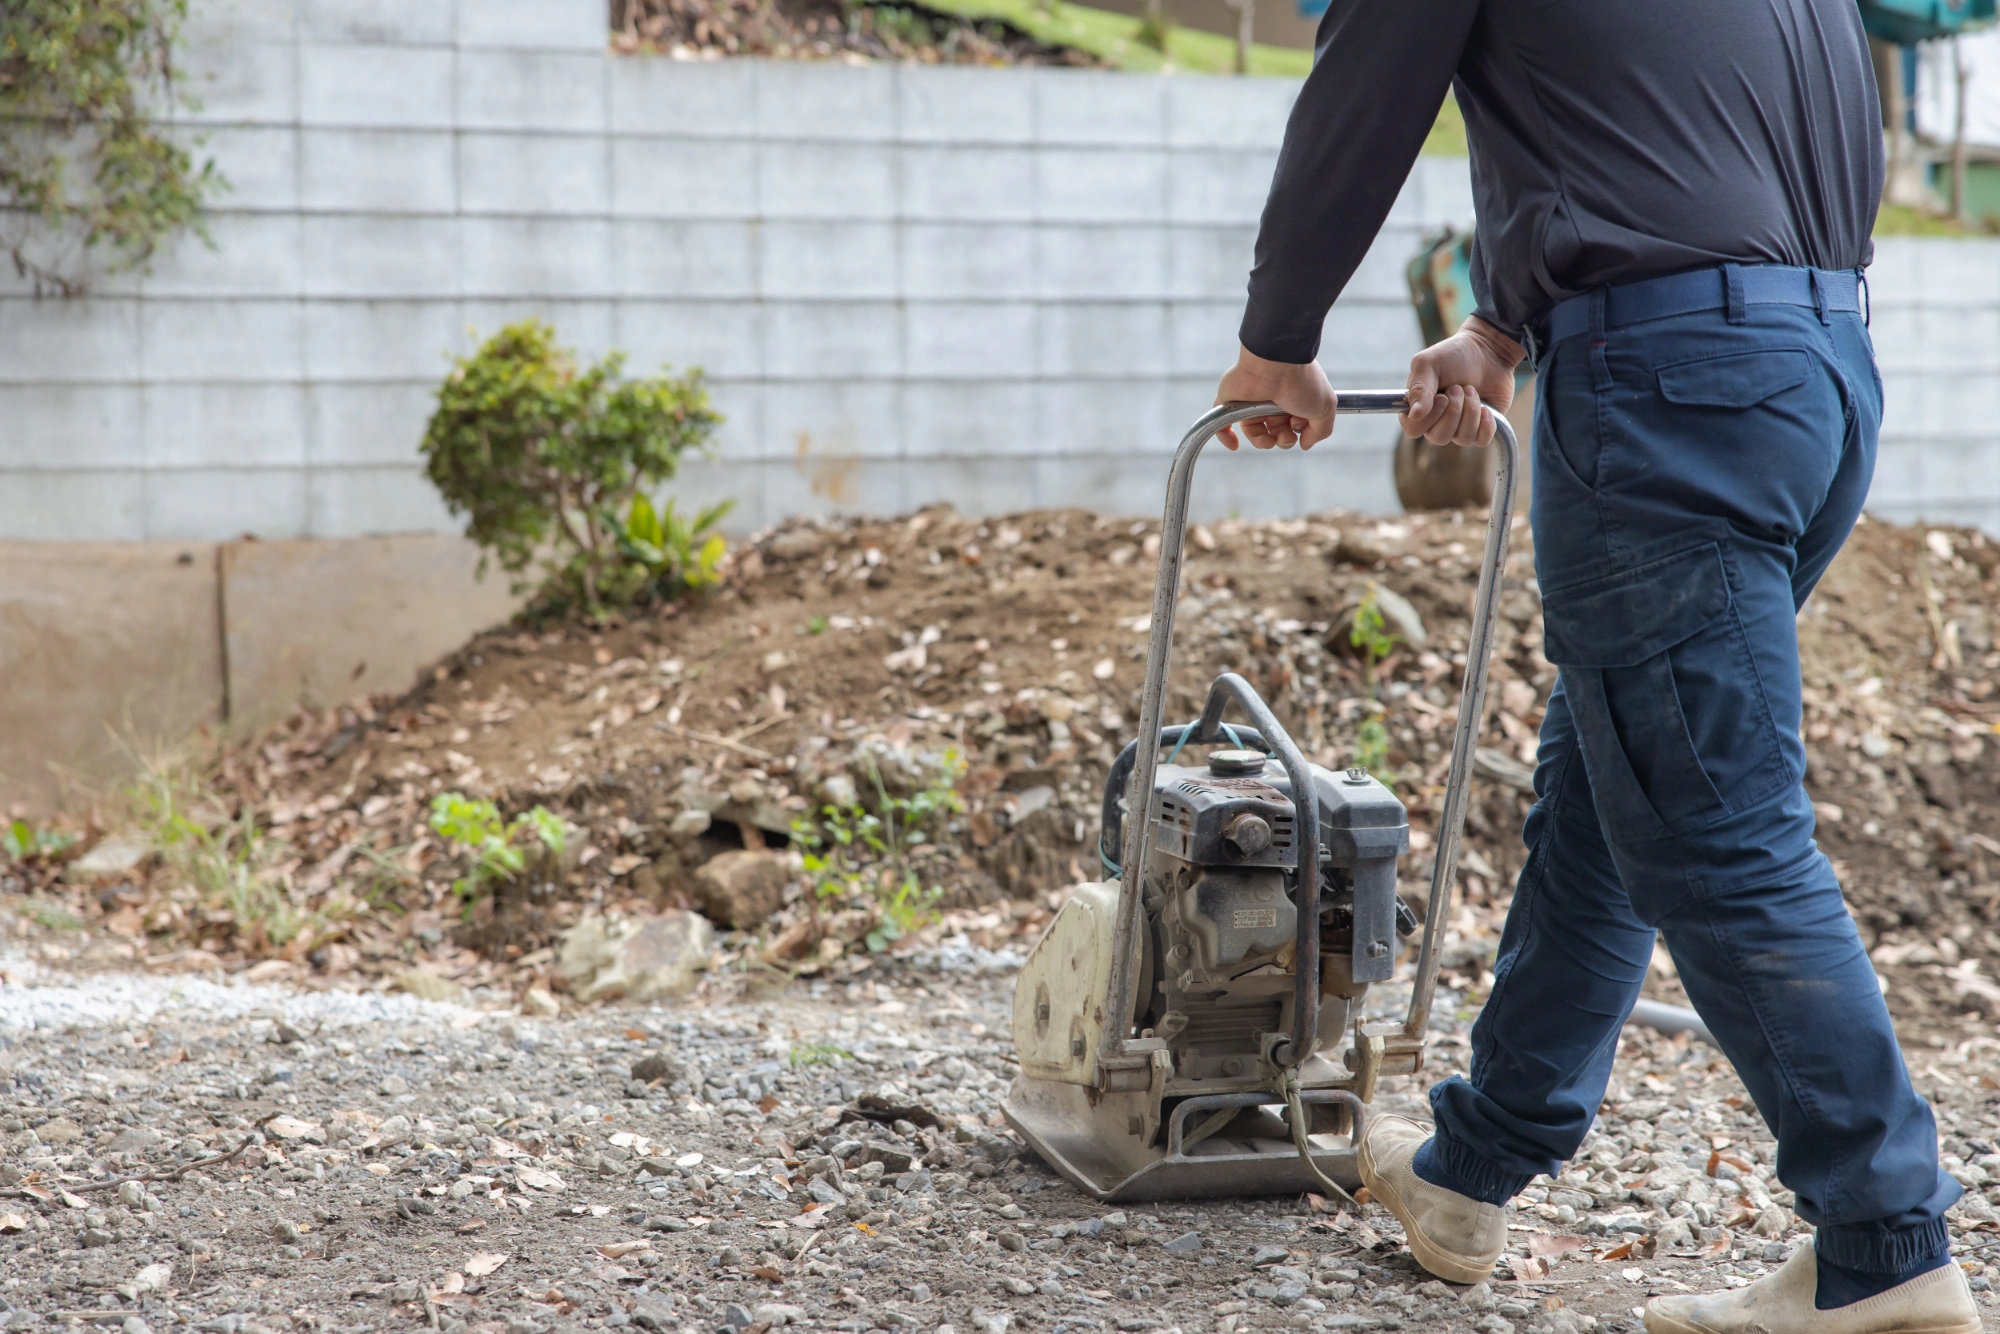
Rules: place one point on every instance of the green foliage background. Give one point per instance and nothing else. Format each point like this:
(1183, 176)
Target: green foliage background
(86, 166)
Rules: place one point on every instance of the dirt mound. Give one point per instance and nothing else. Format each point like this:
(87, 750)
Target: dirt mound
(1009, 651)
(828, 30)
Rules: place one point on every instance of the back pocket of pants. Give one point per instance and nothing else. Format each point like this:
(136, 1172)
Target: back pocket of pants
(1669, 708)
(1734, 379)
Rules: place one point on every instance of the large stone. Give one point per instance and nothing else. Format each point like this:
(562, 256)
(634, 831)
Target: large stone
(638, 958)
(743, 889)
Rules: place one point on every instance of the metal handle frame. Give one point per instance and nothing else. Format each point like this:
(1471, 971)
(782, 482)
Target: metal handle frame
(1115, 1051)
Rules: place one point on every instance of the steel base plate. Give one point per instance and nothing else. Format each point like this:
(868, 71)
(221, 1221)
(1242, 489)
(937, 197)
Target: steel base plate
(1093, 1147)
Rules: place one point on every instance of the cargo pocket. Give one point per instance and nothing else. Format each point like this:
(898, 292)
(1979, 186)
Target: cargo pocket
(1736, 379)
(1668, 705)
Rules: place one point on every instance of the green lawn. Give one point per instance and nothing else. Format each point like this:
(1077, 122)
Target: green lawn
(1113, 38)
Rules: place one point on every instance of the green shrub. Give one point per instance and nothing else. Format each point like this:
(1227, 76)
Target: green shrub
(83, 163)
(868, 858)
(498, 849)
(551, 463)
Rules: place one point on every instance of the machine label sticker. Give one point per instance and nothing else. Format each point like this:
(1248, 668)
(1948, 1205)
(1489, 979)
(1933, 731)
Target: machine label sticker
(1253, 919)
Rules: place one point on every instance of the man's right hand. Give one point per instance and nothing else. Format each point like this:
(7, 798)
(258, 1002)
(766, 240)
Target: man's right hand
(1451, 382)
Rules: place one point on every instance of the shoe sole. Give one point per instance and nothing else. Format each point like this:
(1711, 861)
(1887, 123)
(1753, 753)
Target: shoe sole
(1438, 1262)
(1663, 1322)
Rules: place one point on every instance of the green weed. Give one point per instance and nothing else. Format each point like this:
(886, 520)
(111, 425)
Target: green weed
(1369, 633)
(52, 916)
(868, 856)
(498, 849)
(817, 1053)
(23, 842)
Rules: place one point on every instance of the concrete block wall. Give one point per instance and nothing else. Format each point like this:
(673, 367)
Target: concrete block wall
(996, 287)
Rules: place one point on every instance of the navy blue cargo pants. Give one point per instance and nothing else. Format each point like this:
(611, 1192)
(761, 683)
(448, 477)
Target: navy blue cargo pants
(1702, 446)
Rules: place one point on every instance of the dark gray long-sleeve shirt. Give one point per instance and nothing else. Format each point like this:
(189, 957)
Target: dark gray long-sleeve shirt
(1611, 140)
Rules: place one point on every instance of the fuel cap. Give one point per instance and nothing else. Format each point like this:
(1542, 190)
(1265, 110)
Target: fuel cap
(1229, 762)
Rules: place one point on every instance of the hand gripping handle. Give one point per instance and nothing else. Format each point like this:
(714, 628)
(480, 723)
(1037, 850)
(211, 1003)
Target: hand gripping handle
(1114, 1053)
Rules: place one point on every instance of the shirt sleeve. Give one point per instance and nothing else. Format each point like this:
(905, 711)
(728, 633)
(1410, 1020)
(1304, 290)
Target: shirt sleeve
(1379, 77)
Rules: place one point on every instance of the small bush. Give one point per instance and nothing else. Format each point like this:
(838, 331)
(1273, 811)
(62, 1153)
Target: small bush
(497, 849)
(868, 858)
(551, 463)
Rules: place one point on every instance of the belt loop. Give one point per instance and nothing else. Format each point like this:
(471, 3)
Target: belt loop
(1819, 296)
(1600, 366)
(1732, 293)
(1867, 298)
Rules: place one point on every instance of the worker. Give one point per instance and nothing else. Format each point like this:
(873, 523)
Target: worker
(1674, 205)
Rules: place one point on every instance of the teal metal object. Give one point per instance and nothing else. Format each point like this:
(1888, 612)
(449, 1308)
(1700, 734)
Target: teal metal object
(1907, 22)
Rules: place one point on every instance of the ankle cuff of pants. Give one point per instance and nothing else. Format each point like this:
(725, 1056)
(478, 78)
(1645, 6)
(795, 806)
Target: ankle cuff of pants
(1876, 1250)
(1445, 1162)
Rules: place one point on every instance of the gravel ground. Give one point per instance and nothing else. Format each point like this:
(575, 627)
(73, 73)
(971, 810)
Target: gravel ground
(400, 1164)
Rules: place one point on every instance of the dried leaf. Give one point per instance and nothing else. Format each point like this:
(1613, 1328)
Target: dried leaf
(618, 1250)
(1547, 1246)
(13, 1223)
(540, 1180)
(471, 1225)
(481, 1263)
(290, 1127)
(1533, 1267)
(1622, 1251)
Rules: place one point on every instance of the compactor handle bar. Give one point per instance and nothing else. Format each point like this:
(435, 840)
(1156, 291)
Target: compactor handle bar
(1451, 816)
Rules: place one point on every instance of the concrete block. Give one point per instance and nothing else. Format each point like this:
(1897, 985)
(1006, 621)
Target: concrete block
(1201, 336)
(213, 504)
(536, 25)
(109, 648)
(538, 257)
(969, 419)
(971, 184)
(391, 87)
(261, 162)
(1098, 107)
(1244, 115)
(378, 171)
(269, 20)
(396, 341)
(963, 104)
(824, 339)
(234, 81)
(1959, 272)
(563, 174)
(685, 260)
(827, 259)
(1894, 277)
(539, 91)
(324, 622)
(253, 254)
(1129, 416)
(967, 260)
(1226, 186)
(724, 338)
(1210, 263)
(225, 425)
(369, 424)
(370, 255)
(1101, 185)
(682, 178)
(1081, 263)
(975, 486)
(743, 435)
(1084, 472)
(1369, 342)
(1899, 474)
(825, 101)
(367, 502)
(244, 340)
(970, 339)
(1383, 272)
(827, 483)
(650, 96)
(585, 326)
(849, 418)
(1271, 484)
(820, 180)
(72, 426)
(73, 505)
(1103, 338)
(88, 340)
(376, 22)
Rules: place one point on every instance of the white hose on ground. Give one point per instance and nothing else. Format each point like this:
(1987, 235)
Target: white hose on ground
(1670, 1019)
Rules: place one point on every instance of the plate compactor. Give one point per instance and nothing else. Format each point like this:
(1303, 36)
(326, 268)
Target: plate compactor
(1191, 1027)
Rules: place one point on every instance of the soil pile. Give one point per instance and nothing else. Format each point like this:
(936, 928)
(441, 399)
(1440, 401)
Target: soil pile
(1009, 652)
(827, 30)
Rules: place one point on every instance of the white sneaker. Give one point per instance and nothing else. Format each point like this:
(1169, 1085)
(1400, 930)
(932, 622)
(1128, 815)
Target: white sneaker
(1456, 1238)
(1782, 1303)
